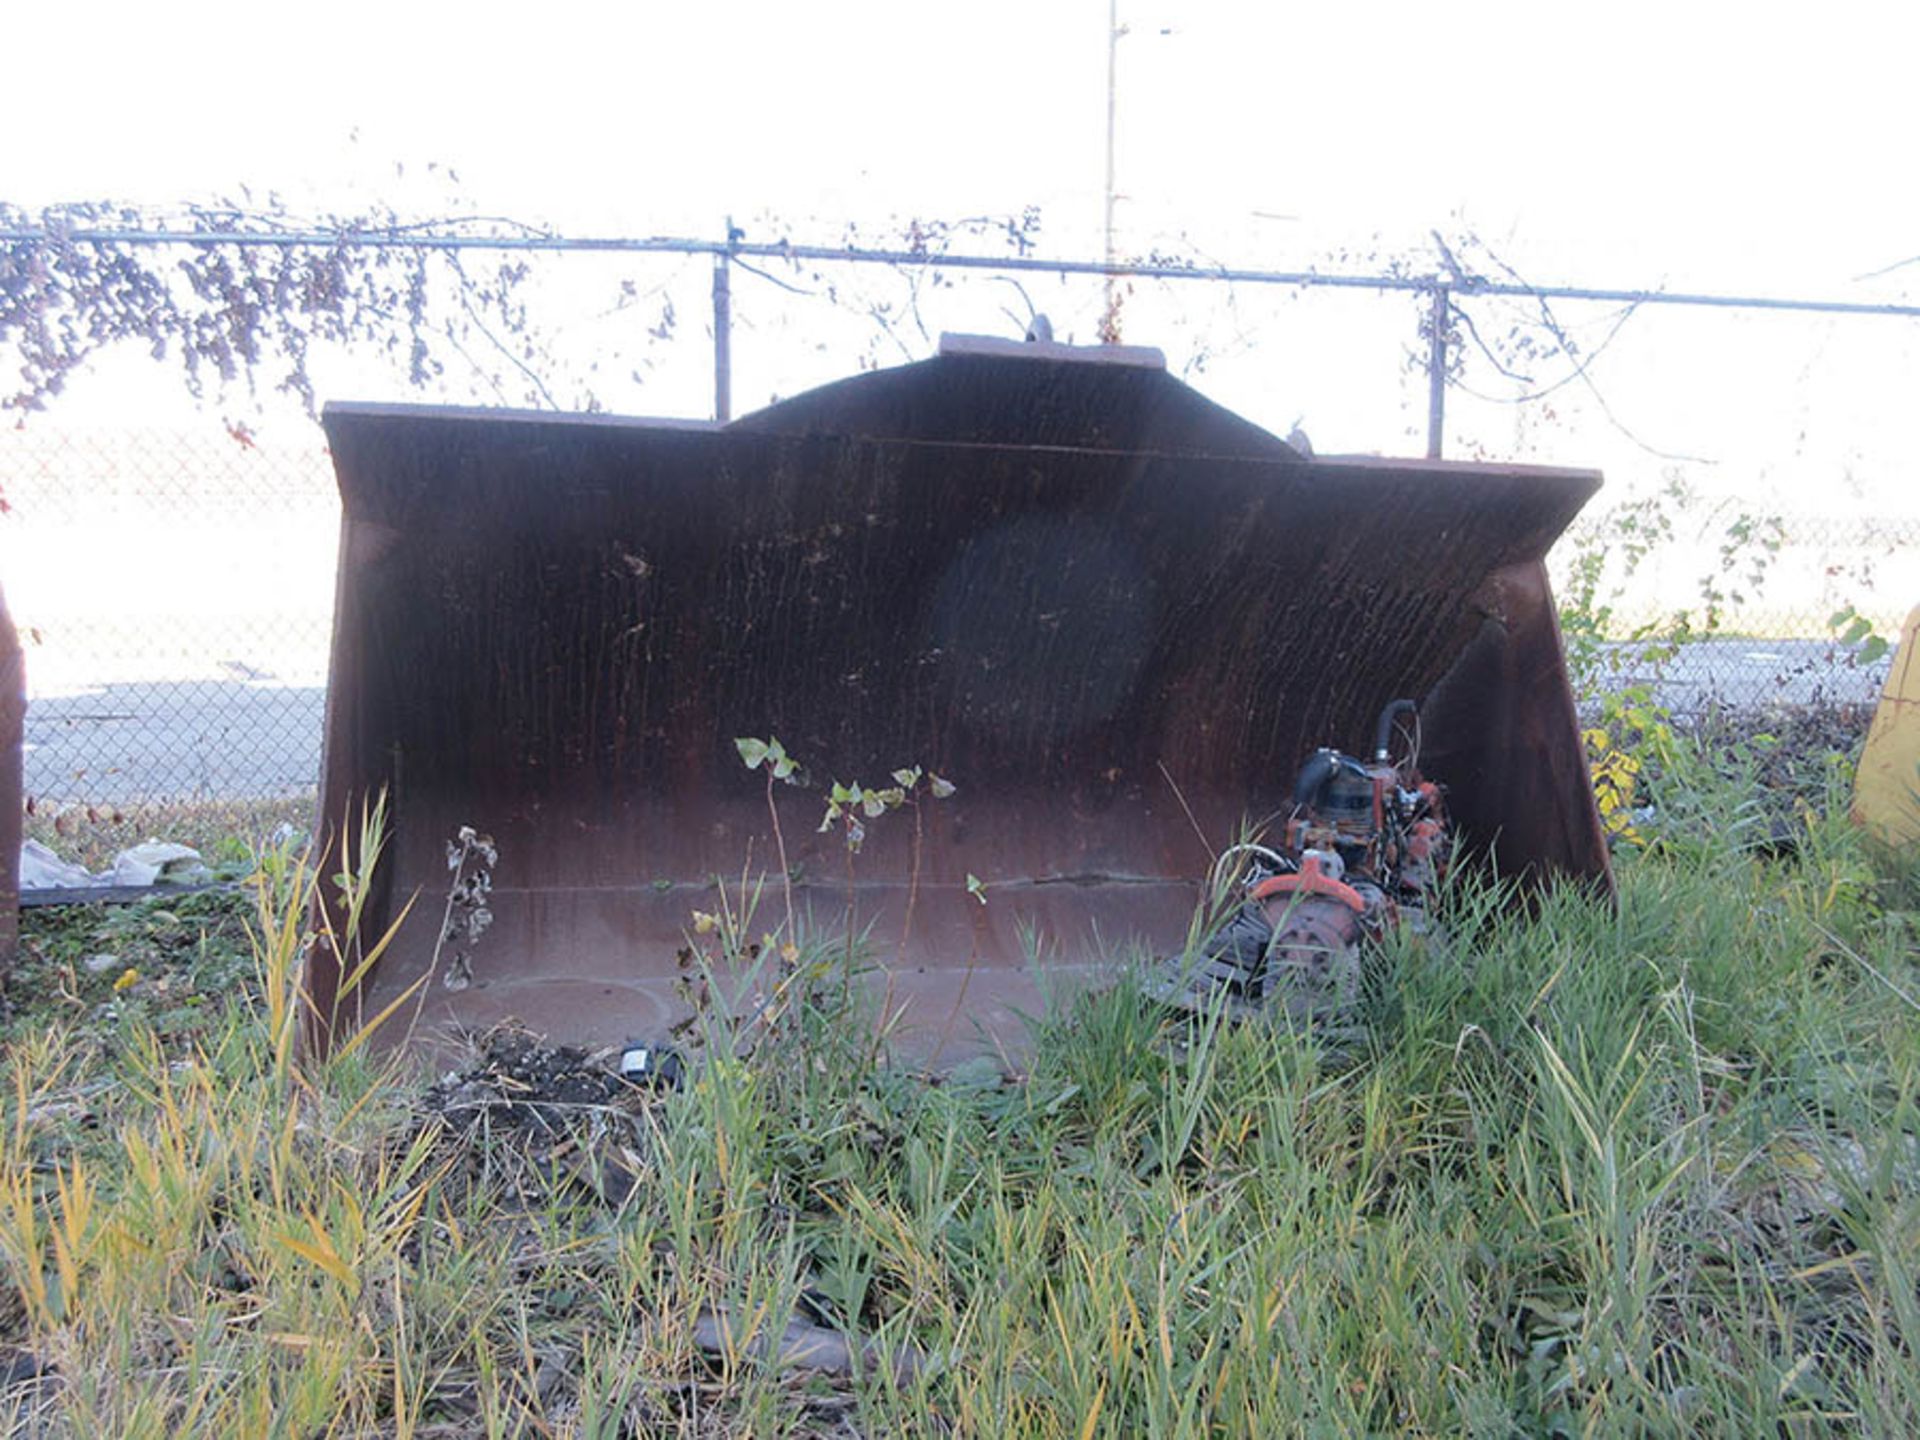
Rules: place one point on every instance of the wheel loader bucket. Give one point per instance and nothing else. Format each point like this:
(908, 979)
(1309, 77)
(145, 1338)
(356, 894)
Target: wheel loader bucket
(1115, 616)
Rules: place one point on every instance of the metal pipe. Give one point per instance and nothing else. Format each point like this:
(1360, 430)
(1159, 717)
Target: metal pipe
(722, 338)
(826, 254)
(1439, 318)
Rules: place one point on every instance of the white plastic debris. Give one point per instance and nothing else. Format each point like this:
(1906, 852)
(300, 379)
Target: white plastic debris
(157, 862)
(42, 869)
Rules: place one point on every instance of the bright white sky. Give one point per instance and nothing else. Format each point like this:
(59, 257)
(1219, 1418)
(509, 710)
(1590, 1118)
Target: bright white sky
(1734, 145)
(1749, 147)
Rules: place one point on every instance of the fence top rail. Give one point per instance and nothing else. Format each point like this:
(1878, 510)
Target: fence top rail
(1459, 285)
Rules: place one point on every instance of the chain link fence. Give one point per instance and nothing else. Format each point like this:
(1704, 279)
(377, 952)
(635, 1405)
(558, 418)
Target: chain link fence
(173, 592)
(1795, 611)
(173, 579)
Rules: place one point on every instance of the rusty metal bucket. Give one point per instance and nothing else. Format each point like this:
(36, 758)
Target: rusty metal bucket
(1114, 614)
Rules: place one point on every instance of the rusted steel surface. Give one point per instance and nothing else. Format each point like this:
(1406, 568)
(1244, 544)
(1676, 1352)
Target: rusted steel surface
(1503, 732)
(13, 716)
(983, 391)
(1067, 586)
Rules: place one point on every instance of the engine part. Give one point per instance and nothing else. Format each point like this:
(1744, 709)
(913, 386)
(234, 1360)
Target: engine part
(1361, 850)
(1111, 612)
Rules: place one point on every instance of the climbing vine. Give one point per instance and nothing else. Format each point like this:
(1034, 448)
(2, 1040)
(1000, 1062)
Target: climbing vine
(239, 319)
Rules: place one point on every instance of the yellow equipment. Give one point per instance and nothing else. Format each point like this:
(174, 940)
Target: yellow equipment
(1886, 791)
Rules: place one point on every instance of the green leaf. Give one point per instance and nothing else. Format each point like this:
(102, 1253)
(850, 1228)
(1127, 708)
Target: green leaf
(1857, 630)
(1875, 647)
(783, 768)
(841, 795)
(907, 779)
(873, 802)
(942, 788)
(752, 751)
(775, 748)
(976, 887)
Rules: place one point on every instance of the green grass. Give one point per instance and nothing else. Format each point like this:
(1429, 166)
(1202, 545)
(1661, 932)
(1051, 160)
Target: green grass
(1641, 1170)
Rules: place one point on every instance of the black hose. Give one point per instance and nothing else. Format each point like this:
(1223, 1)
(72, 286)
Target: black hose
(1383, 732)
(1314, 776)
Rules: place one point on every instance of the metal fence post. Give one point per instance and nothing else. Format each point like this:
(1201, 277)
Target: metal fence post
(1441, 314)
(723, 334)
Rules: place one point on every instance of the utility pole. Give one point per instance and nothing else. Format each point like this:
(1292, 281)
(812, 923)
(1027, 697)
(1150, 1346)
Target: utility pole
(1109, 317)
